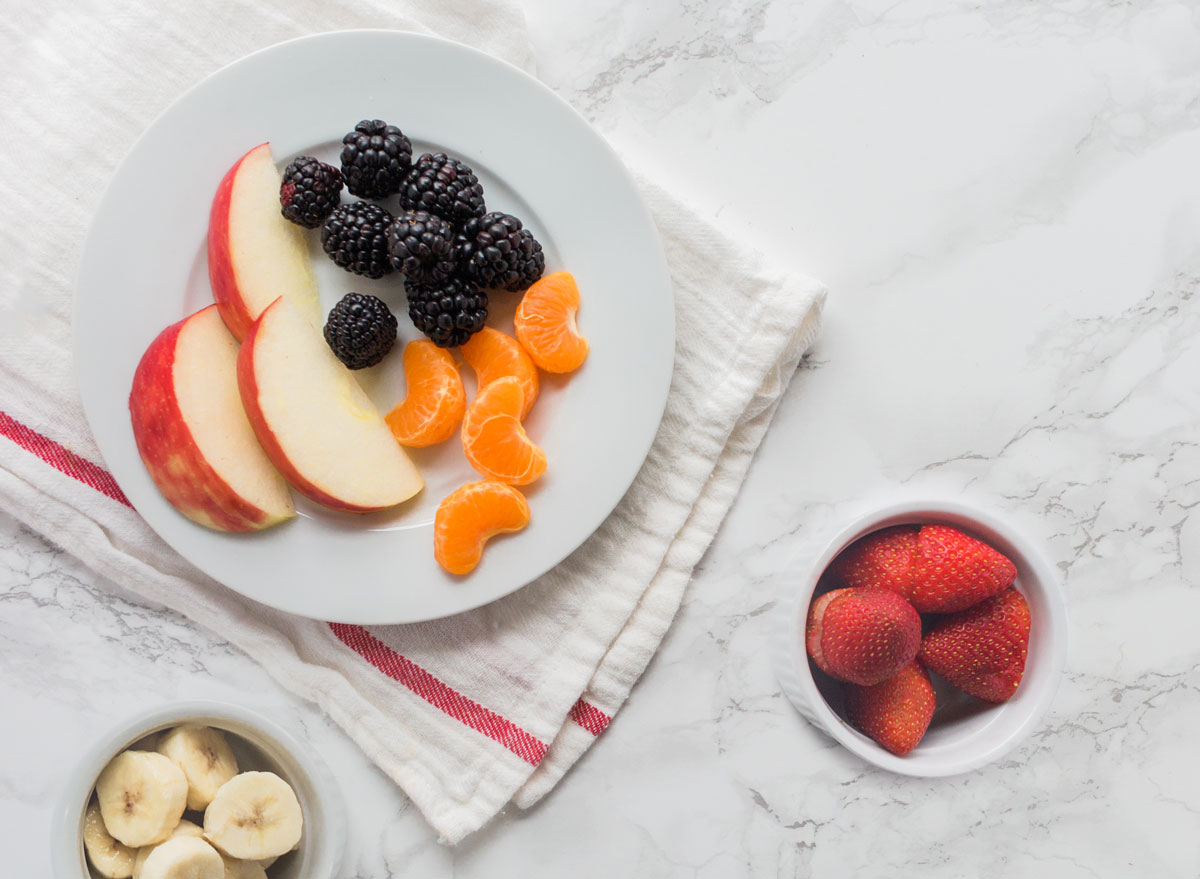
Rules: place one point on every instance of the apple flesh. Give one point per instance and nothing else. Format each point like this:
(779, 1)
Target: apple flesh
(193, 434)
(254, 254)
(315, 422)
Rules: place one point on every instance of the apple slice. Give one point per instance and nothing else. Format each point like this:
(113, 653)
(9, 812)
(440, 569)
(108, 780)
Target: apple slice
(254, 254)
(192, 431)
(317, 425)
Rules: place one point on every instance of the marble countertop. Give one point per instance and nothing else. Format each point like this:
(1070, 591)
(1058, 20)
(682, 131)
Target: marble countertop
(1004, 201)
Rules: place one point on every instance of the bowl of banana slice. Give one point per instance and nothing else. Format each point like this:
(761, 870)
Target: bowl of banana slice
(199, 790)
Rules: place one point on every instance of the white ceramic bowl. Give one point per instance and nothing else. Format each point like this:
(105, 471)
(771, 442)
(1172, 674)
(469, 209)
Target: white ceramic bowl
(965, 733)
(258, 743)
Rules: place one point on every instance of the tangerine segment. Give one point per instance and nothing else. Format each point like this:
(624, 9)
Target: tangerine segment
(472, 515)
(435, 402)
(545, 324)
(493, 354)
(492, 436)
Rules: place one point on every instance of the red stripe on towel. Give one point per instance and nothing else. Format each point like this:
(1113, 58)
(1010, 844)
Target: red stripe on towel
(439, 695)
(358, 639)
(62, 459)
(589, 717)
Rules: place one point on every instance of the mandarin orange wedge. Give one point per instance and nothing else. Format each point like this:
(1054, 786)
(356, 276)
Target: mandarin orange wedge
(494, 440)
(545, 323)
(493, 354)
(435, 402)
(472, 515)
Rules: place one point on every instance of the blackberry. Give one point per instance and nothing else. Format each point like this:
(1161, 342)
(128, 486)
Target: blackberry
(375, 158)
(443, 186)
(422, 246)
(360, 330)
(355, 237)
(496, 251)
(448, 314)
(309, 191)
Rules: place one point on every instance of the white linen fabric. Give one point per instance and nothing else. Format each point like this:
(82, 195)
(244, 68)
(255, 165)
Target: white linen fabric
(466, 713)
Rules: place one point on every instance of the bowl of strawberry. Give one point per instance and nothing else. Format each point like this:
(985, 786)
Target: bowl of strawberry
(928, 638)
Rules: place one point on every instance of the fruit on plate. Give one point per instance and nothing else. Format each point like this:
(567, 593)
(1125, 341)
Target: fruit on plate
(183, 857)
(316, 424)
(433, 407)
(546, 327)
(184, 828)
(360, 330)
(444, 186)
(952, 570)
(204, 756)
(375, 159)
(450, 313)
(493, 354)
(193, 434)
(142, 795)
(311, 424)
(309, 191)
(863, 636)
(493, 438)
(254, 254)
(982, 650)
(472, 515)
(894, 712)
(254, 815)
(421, 245)
(109, 858)
(882, 559)
(355, 237)
(497, 251)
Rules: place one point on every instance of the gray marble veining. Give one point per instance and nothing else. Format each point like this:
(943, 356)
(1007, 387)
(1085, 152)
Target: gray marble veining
(1004, 201)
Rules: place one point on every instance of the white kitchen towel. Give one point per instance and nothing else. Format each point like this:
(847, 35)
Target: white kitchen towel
(466, 713)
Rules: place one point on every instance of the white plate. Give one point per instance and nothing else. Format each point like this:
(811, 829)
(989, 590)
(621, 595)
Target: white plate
(144, 267)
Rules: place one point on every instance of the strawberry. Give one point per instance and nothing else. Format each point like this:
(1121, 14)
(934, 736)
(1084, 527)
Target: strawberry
(862, 635)
(813, 627)
(895, 712)
(982, 649)
(952, 571)
(882, 559)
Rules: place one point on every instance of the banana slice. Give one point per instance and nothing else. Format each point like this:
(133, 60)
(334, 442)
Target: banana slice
(184, 857)
(142, 796)
(109, 858)
(254, 815)
(235, 869)
(205, 758)
(184, 828)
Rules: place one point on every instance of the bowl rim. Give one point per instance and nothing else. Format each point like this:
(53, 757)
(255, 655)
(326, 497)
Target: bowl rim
(75, 792)
(795, 674)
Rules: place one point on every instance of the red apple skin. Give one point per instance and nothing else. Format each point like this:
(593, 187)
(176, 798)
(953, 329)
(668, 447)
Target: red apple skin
(170, 452)
(248, 385)
(220, 261)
